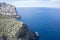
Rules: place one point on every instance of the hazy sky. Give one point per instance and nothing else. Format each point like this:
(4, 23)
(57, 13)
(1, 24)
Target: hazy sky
(34, 3)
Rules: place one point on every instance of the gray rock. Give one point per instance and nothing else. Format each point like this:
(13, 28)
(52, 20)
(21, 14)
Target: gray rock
(36, 34)
(10, 28)
(7, 9)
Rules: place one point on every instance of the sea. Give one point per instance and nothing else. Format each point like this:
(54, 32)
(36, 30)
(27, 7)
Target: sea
(44, 20)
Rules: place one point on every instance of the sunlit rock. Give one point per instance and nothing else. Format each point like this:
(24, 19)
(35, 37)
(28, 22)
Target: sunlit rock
(7, 9)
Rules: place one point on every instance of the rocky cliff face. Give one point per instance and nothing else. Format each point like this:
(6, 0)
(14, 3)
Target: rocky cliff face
(7, 9)
(10, 28)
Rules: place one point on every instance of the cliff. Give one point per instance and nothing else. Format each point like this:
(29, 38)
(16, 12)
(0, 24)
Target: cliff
(10, 27)
(7, 9)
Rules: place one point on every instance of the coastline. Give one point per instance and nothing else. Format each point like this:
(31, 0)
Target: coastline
(17, 29)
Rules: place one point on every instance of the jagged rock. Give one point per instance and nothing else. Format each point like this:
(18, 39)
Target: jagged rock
(7, 9)
(10, 27)
(36, 34)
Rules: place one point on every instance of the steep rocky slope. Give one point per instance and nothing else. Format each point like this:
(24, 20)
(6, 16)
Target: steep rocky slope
(10, 27)
(13, 29)
(7, 9)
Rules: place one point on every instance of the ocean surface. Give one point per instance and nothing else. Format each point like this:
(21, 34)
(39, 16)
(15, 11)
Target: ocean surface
(46, 21)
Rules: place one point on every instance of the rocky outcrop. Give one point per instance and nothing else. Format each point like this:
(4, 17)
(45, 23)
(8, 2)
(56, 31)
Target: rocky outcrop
(10, 27)
(7, 9)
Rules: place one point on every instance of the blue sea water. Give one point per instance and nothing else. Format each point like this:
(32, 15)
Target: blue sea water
(46, 21)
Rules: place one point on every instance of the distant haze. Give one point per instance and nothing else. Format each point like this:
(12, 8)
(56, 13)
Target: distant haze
(34, 3)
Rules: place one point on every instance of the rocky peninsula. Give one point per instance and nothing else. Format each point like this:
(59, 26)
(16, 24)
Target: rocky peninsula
(10, 27)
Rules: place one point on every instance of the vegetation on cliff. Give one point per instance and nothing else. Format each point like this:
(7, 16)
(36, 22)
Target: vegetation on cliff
(10, 27)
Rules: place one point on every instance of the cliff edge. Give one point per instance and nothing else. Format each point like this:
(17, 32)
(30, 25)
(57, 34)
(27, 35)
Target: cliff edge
(10, 27)
(7, 9)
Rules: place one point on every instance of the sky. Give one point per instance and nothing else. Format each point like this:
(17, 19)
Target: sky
(34, 3)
